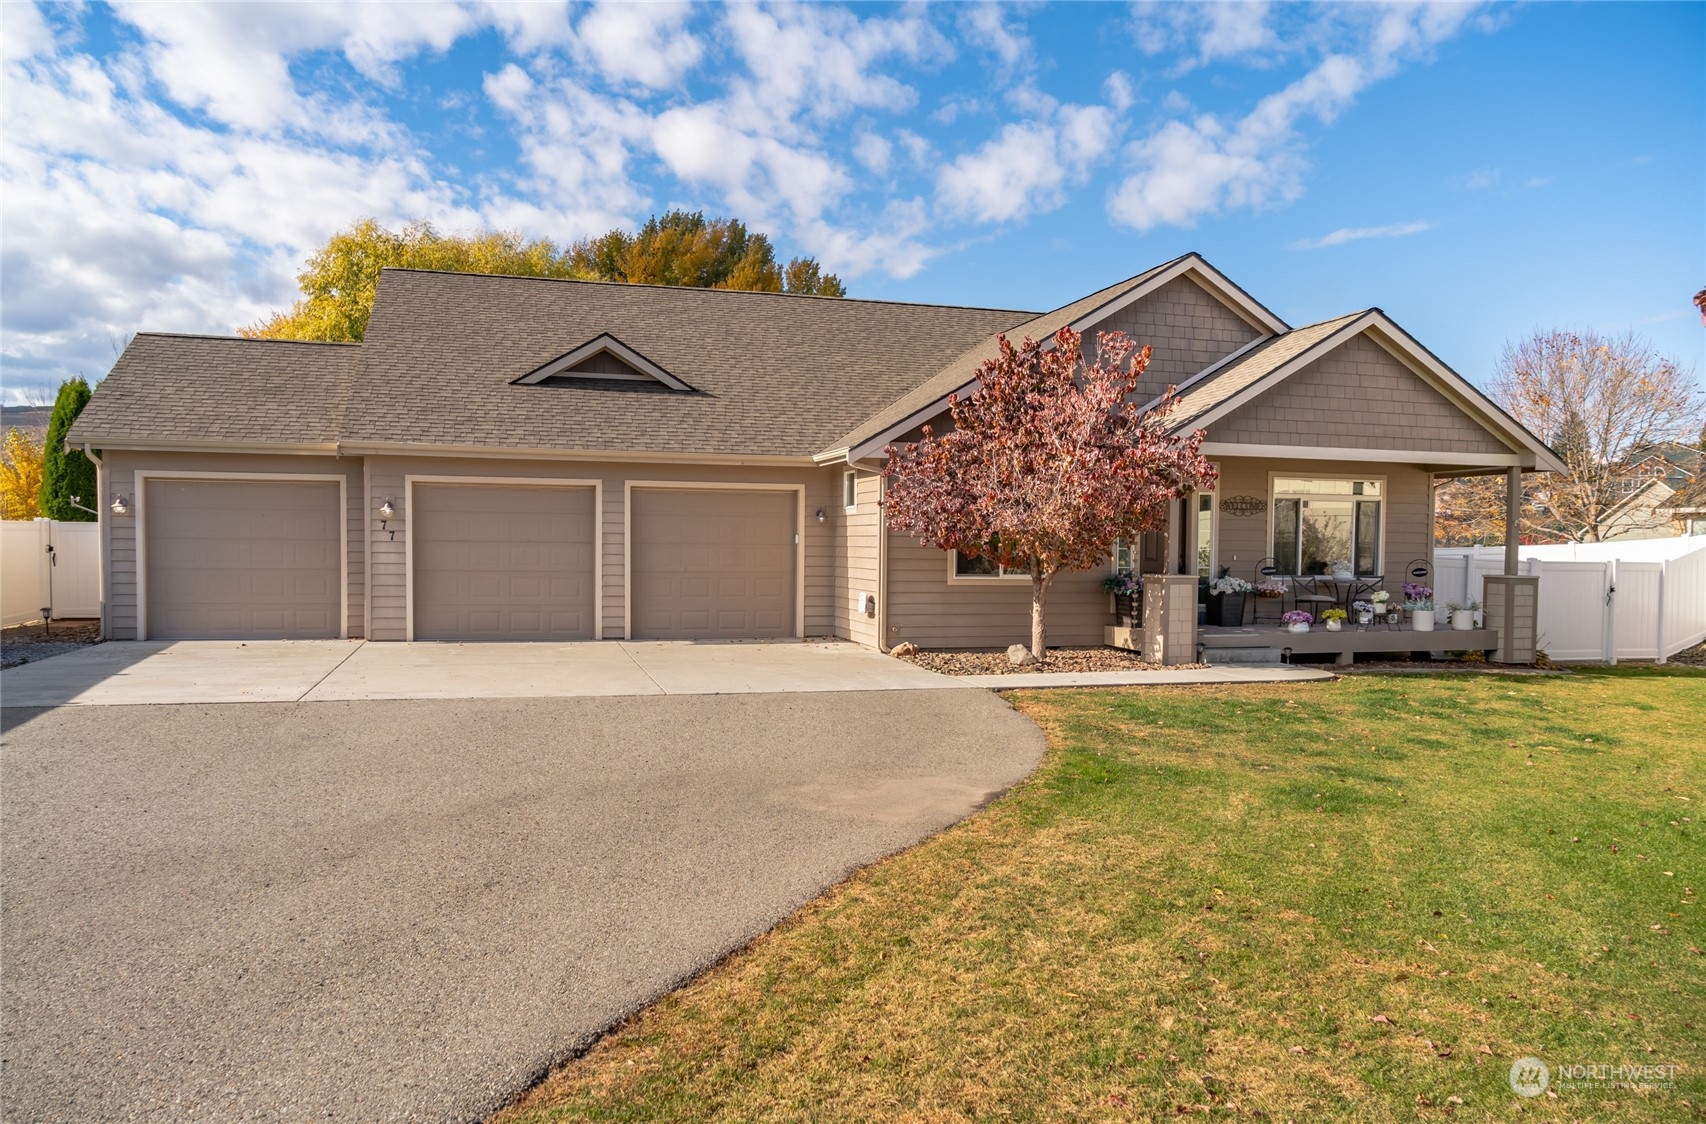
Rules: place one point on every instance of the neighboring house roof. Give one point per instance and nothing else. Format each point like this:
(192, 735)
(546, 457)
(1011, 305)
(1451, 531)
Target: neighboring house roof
(770, 374)
(930, 398)
(1688, 500)
(182, 391)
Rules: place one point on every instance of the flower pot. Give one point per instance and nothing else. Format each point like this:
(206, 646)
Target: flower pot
(1226, 610)
(1365, 618)
(1299, 627)
(1422, 620)
(1462, 620)
(1332, 626)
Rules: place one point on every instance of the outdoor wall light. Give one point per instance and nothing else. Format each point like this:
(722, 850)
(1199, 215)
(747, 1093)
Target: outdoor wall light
(121, 506)
(386, 510)
(820, 515)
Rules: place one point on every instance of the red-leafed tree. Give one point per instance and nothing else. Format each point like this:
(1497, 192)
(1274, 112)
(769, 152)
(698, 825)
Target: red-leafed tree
(1048, 462)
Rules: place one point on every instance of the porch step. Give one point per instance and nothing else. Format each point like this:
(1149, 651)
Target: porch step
(1215, 657)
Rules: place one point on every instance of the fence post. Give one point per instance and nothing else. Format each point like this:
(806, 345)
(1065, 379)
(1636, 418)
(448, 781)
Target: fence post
(1659, 637)
(1609, 615)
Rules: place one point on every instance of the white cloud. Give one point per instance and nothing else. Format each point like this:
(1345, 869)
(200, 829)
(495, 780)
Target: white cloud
(643, 43)
(1203, 33)
(1358, 233)
(1189, 168)
(1027, 166)
(987, 25)
(873, 152)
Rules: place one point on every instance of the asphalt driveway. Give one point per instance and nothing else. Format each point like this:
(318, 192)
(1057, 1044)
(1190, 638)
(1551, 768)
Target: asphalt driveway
(405, 910)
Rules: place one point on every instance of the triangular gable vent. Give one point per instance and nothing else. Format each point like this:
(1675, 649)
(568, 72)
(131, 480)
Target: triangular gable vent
(604, 358)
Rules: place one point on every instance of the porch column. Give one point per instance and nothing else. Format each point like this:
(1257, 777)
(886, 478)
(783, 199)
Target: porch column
(1513, 520)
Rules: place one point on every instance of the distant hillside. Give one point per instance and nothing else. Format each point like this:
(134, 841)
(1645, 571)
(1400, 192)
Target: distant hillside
(31, 419)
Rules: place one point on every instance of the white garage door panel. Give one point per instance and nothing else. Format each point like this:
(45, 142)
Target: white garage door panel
(243, 559)
(713, 565)
(503, 562)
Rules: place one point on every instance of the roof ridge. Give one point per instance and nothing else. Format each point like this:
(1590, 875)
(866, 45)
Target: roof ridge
(703, 289)
(246, 339)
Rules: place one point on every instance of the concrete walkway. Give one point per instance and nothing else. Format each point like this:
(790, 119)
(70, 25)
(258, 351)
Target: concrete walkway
(1183, 677)
(137, 673)
(225, 671)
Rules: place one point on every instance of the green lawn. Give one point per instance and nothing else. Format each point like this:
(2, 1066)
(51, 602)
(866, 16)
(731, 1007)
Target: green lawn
(1349, 900)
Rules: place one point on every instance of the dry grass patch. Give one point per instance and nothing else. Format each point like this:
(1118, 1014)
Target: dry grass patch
(1352, 900)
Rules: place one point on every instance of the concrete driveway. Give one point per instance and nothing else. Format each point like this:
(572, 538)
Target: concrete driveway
(405, 910)
(215, 671)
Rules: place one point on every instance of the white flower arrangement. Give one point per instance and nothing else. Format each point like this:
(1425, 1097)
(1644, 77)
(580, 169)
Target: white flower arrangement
(1229, 585)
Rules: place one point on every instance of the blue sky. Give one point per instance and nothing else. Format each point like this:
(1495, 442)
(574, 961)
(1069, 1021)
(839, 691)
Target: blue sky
(1477, 171)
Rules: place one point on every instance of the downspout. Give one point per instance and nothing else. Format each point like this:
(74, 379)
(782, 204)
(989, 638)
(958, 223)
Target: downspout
(106, 530)
(882, 567)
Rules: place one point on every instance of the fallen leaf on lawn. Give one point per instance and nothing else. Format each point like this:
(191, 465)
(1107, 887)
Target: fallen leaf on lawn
(1485, 1049)
(1454, 1100)
(1383, 1020)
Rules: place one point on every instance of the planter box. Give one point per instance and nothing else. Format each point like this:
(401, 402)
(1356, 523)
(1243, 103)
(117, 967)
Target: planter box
(1226, 610)
(1116, 636)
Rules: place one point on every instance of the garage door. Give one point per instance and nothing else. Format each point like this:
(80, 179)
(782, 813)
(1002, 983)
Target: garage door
(502, 562)
(712, 565)
(242, 559)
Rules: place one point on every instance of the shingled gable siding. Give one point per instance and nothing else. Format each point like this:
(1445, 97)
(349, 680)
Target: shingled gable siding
(1356, 396)
(1244, 539)
(122, 467)
(1188, 328)
(389, 599)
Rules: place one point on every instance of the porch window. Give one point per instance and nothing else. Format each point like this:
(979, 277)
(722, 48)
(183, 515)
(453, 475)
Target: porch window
(1319, 521)
(850, 491)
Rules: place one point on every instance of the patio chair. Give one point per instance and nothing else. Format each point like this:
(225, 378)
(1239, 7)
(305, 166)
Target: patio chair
(1307, 593)
(1267, 571)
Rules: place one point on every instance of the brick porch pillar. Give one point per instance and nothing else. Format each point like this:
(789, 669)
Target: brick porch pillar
(1169, 618)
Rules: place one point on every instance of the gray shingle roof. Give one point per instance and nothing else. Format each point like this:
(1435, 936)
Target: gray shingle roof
(772, 374)
(1250, 368)
(216, 388)
(963, 370)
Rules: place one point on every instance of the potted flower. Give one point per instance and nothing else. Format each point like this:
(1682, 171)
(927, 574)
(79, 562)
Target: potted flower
(1419, 599)
(1127, 588)
(1364, 611)
(1334, 618)
(1298, 620)
(1270, 587)
(1463, 616)
(1226, 601)
(1341, 569)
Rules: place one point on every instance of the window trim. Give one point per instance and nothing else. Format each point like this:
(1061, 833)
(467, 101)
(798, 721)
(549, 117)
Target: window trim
(957, 578)
(850, 491)
(1383, 499)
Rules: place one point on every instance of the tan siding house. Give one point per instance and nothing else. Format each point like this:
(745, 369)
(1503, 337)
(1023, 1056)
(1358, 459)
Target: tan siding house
(607, 461)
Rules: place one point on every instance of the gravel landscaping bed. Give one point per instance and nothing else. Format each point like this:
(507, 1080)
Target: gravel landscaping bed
(27, 643)
(993, 661)
(1692, 657)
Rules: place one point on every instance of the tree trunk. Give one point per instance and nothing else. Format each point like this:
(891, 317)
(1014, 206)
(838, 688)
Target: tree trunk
(1039, 590)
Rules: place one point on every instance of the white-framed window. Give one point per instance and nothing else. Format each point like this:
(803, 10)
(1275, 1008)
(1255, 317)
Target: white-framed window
(1124, 559)
(965, 568)
(1319, 521)
(850, 490)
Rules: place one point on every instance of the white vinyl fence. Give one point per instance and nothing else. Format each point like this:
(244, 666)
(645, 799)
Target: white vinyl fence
(45, 564)
(1643, 600)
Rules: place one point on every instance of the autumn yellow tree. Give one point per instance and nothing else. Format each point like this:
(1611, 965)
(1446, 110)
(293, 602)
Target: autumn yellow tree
(678, 248)
(20, 476)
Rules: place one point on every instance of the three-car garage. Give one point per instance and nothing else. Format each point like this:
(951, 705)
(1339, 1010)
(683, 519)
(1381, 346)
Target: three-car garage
(466, 558)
